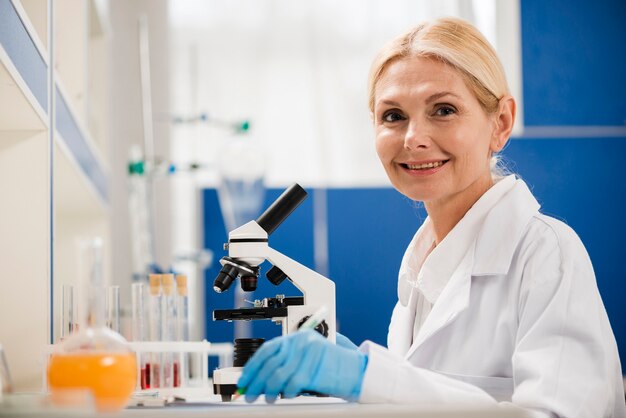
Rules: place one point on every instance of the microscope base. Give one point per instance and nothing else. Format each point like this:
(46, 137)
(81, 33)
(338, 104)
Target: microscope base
(225, 382)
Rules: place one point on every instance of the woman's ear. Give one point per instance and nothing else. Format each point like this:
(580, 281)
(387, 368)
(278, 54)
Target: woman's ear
(504, 121)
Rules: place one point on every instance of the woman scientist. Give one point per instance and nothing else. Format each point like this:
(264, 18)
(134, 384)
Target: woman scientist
(497, 303)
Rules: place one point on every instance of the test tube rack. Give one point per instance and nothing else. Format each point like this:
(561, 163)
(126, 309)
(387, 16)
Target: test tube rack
(199, 387)
(201, 349)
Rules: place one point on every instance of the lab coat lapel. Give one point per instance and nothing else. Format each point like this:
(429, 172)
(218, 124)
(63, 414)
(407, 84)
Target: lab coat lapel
(453, 300)
(400, 334)
(489, 254)
(401, 329)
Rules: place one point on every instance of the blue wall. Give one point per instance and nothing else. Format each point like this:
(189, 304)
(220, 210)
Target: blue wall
(574, 62)
(573, 66)
(574, 69)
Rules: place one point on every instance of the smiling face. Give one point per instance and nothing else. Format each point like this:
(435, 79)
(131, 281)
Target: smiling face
(433, 137)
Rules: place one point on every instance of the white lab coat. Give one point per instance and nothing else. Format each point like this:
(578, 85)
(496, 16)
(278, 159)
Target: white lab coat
(519, 323)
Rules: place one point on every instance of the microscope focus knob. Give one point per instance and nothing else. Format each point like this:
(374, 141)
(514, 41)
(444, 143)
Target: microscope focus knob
(322, 327)
(275, 275)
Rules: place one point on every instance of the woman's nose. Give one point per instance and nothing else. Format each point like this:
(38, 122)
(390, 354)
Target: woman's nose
(416, 137)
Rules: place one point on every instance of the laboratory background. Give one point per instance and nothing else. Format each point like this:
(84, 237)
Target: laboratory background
(143, 131)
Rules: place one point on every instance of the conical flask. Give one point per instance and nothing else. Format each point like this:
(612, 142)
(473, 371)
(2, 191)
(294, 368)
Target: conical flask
(95, 358)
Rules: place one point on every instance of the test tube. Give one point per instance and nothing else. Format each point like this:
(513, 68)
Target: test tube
(138, 329)
(6, 384)
(113, 308)
(68, 313)
(182, 327)
(169, 329)
(153, 368)
(90, 283)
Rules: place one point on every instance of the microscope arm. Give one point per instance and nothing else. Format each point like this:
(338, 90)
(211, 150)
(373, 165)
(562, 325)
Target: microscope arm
(317, 290)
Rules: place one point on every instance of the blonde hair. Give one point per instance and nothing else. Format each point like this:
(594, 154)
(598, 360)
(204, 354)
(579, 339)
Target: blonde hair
(456, 43)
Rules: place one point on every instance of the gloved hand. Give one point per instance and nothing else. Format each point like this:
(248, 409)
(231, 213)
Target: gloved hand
(303, 361)
(345, 342)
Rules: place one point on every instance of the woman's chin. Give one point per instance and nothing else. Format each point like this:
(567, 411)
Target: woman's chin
(421, 194)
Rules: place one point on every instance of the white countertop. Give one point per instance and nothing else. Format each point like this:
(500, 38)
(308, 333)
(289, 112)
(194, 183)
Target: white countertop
(301, 407)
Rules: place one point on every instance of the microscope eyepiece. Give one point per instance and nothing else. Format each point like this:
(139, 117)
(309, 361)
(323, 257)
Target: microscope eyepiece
(225, 278)
(281, 208)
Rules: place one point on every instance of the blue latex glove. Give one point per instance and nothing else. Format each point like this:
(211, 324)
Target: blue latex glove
(345, 342)
(303, 361)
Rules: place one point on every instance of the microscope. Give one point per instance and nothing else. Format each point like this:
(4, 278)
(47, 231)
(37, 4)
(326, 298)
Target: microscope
(247, 248)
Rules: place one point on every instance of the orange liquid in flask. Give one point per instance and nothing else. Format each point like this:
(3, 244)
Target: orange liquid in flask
(110, 377)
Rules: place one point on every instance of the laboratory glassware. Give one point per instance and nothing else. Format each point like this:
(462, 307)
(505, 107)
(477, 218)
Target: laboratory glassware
(6, 385)
(153, 368)
(95, 358)
(113, 308)
(68, 312)
(168, 321)
(182, 325)
(139, 329)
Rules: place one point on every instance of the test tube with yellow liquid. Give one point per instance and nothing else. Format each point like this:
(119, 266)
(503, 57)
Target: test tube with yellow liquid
(168, 322)
(182, 329)
(154, 377)
(95, 359)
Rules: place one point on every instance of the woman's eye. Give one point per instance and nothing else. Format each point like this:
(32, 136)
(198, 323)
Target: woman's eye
(392, 116)
(445, 110)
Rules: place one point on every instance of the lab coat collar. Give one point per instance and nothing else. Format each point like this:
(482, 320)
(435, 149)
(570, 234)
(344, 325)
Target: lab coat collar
(493, 226)
(491, 232)
(446, 257)
(502, 230)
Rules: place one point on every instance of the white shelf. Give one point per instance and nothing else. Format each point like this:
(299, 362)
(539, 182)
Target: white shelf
(23, 79)
(26, 112)
(78, 144)
(34, 16)
(74, 193)
(70, 50)
(46, 207)
(25, 191)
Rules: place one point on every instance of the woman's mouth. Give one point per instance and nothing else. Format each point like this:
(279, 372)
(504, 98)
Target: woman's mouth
(430, 166)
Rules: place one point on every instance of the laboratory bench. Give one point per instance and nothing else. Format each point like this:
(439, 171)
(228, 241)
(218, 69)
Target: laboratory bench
(301, 407)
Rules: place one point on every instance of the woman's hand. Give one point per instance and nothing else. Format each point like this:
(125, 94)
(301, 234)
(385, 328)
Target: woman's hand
(303, 361)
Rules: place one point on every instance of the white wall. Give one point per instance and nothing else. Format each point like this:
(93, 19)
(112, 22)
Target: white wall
(298, 71)
(126, 126)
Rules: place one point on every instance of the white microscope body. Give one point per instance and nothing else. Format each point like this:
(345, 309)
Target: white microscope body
(247, 249)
